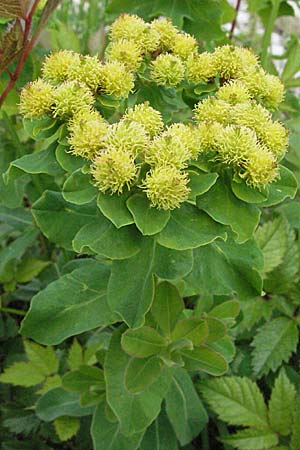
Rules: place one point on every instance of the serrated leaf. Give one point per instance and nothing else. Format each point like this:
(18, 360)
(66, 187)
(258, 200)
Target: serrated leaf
(274, 343)
(190, 228)
(74, 303)
(252, 439)
(222, 205)
(183, 397)
(271, 238)
(75, 355)
(66, 427)
(22, 374)
(295, 435)
(281, 404)
(42, 357)
(143, 342)
(236, 400)
(166, 307)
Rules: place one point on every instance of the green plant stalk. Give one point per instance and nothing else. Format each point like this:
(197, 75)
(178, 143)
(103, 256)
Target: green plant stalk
(268, 31)
(205, 439)
(19, 312)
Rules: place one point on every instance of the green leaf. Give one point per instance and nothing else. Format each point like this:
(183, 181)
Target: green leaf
(200, 182)
(204, 359)
(57, 402)
(252, 439)
(60, 221)
(131, 296)
(216, 329)
(74, 303)
(66, 427)
(22, 374)
(247, 193)
(143, 342)
(106, 434)
(189, 228)
(224, 347)
(284, 187)
(43, 161)
(236, 400)
(141, 373)
(135, 412)
(75, 355)
(82, 379)
(29, 269)
(195, 330)
(103, 238)
(172, 264)
(160, 435)
(166, 307)
(114, 208)
(148, 220)
(274, 343)
(292, 65)
(223, 268)
(281, 404)
(222, 205)
(271, 238)
(67, 160)
(295, 436)
(14, 251)
(226, 310)
(42, 357)
(78, 188)
(183, 397)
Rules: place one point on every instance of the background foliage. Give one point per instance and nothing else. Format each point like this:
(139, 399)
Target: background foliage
(53, 388)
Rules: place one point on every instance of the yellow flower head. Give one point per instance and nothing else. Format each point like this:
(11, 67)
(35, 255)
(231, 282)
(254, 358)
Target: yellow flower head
(71, 98)
(228, 61)
(36, 99)
(132, 27)
(130, 137)
(201, 67)
(184, 45)
(233, 92)
(166, 187)
(87, 71)
(248, 58)
(251, 115)
(147, 116)
(116, 80)
(234, 144)
(275, 138)
(263, 87)
(114, 170)
(210, 133)
(56, 67)
(87, 133)
(167, 70)
(167, 150)
(213, 110)
(260, 168)
(188, 135)
(125, 51)
(167, 32)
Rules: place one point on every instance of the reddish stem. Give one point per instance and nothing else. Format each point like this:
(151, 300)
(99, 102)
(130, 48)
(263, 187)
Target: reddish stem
(234, 22)
(27, 46)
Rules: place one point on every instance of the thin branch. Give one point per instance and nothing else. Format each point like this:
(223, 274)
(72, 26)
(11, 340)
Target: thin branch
(234, 22)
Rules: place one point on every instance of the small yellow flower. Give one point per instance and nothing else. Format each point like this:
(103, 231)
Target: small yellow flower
(166, 187)
(275, 138)
(71, 98)
(233, 92)
(130, 137)
(87, 133)
(116, 80)
(147, 116)
(167, 150)
(56, 67)
(188, 135)
(184, 45)
(260, 168)
(213, 110)
(36, 99)
(228, 61)
(167, 70)
(201, 67)
(263, 87)
(167, 32)
(210, 133)
(88, 71)
(114, 170)
(125, 51)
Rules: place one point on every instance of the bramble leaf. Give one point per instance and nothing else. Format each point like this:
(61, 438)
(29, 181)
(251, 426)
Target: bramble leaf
(281, 404)
(66, 427)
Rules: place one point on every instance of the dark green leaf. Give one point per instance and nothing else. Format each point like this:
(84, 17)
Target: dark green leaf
(148, 220)
(78, 188)
(114, 208)
(141, 373)
(166, 307)
(143, 342)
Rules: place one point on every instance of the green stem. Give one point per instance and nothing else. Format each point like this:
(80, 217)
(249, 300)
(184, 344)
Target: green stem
(268, 31)
(19, 312)
(205, 439)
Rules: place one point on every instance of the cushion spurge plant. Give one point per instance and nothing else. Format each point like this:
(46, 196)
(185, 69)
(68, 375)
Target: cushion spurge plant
(162, 158)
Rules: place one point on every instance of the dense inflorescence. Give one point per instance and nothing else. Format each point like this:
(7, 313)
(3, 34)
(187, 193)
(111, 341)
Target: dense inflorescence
(232, 127)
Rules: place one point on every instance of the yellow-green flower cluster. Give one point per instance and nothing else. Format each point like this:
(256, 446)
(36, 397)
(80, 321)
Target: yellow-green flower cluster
(36, 99)
(167, 70)
(147, 116)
